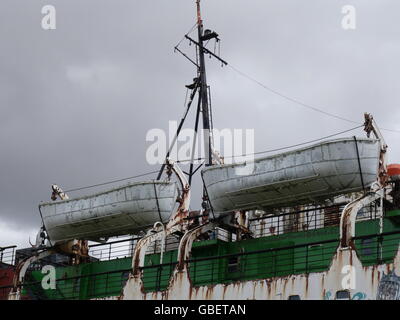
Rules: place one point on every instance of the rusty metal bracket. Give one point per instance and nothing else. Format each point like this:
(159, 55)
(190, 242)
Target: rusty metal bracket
(370, 126)
(185, 245)
(177, 223)
(180, 215)
(143, 244)
(20, 272)
(57, 192)
(349, 215)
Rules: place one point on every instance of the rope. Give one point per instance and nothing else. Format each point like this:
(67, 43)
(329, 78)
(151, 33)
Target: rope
(228, 157)
(191, 29)
(44, 227)
(158, 205)
(359, 164)
(283, 148)
(308, 106)
(110, 182)
(208, 197)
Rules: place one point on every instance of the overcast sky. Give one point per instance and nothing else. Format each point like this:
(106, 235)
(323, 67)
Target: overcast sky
(76, 102)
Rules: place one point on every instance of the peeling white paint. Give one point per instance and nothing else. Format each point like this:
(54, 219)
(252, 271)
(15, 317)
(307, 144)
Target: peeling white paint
(314, 286)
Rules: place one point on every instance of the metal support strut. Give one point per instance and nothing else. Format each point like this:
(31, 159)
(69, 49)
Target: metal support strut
(177, 223)
(349, 214)
(20, 272)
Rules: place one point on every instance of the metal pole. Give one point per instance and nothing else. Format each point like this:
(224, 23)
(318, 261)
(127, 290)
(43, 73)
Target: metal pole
(203, 90)
(178, 130)
(194, 141)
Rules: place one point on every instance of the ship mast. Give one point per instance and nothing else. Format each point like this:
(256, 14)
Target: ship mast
(199, 86)
(203, 90)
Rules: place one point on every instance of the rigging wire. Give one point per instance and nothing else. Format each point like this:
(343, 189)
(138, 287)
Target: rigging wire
(255, 153)
(189, 32)
(297, 101)
(110, 182)
(227, 157)
(308, 142)
(186, 96)
(282, 148)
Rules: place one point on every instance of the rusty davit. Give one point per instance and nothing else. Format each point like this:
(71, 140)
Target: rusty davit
(317, 222)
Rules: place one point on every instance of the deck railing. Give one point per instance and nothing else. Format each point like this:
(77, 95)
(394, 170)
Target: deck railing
(7, 255)
(223, 269)
(306, 219)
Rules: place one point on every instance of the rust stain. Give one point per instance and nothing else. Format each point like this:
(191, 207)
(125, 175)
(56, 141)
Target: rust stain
(306, 276)
(273, 287)
(373, 275)
(223, 291)
(269, 288)
(351, 257)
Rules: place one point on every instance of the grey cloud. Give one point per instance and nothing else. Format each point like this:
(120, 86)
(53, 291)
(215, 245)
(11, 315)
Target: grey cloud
(76, 103)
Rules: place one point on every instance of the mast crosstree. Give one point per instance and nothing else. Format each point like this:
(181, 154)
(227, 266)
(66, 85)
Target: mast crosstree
(201, 88)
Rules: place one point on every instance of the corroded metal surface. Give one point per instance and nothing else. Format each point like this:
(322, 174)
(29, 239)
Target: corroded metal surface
(345, 273)
(20, 271)
(371, 127)
(185, 245)
(349, 215)
(122, 210)
(177, 223)
(297, 177)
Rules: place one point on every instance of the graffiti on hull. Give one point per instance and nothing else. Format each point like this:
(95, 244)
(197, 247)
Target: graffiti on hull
(345, 295)
(389, 287)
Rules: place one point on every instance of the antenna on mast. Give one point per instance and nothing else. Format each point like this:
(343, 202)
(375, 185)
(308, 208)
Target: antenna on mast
(199, 86)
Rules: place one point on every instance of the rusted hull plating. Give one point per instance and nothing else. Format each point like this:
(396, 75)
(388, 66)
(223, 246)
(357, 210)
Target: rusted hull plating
(296, 177)
(345, 273)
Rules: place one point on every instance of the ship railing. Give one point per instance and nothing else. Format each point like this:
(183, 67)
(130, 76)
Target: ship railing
(280, 261)
(124, 248)
(305, 219)
(259, 264)
(7, 255)
(114, 249)
(289, 260)
(295, 221)
(90, 286)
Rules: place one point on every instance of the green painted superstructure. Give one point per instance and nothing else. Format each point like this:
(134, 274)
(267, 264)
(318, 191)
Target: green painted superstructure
(220, 262)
